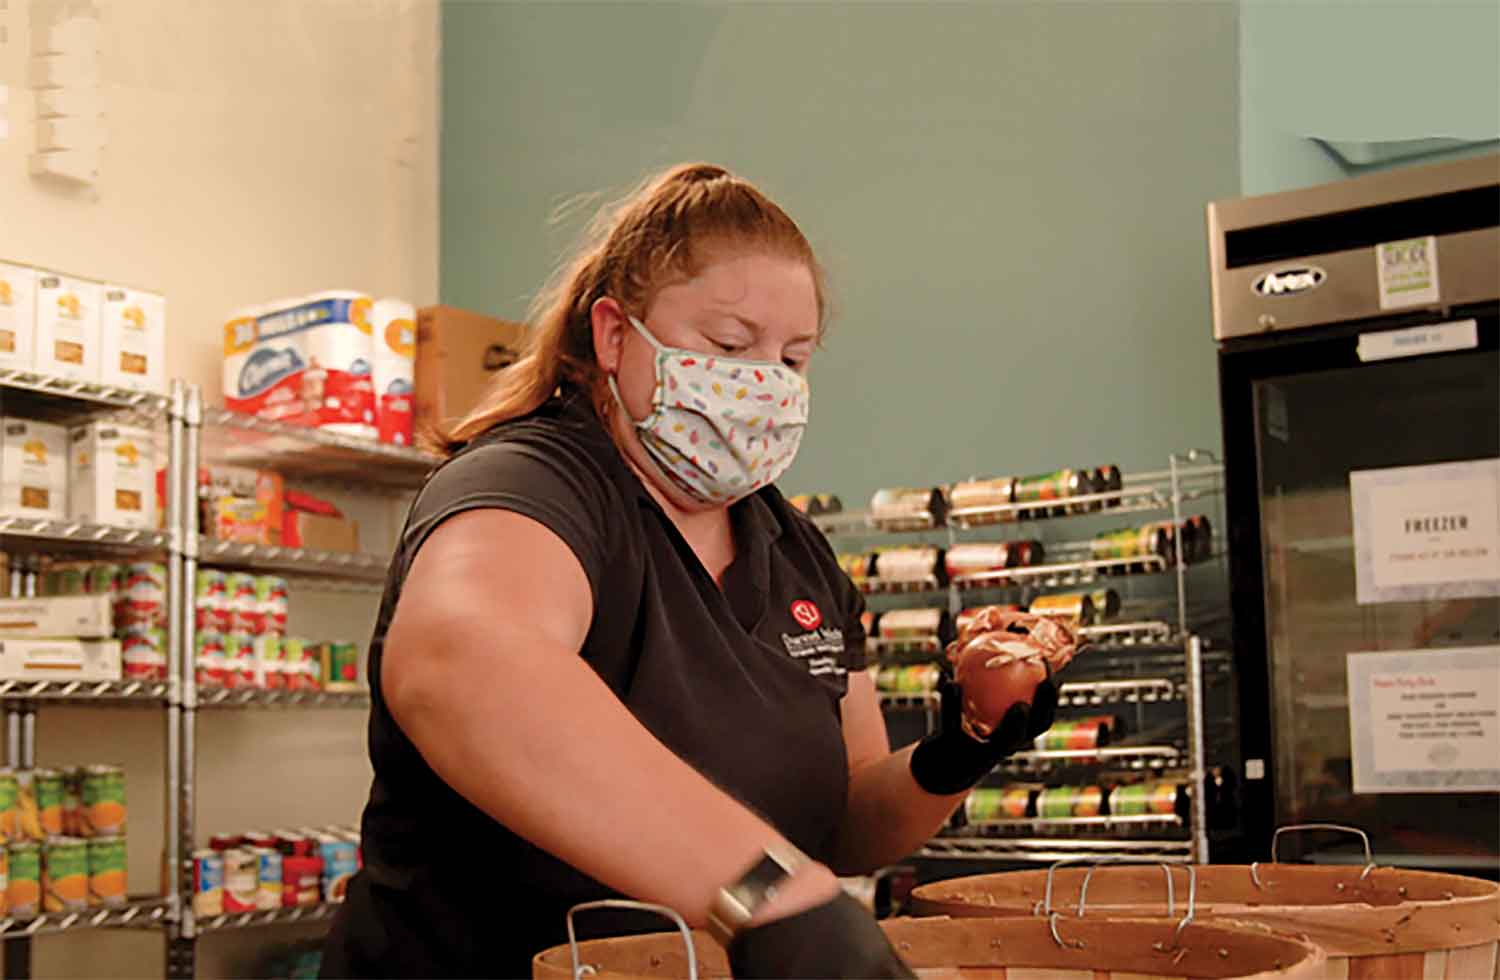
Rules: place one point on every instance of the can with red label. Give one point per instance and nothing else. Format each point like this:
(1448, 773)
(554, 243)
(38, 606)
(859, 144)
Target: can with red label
(209, 659)
(268, 663)
(241, 880)
(142, 596)
(239, 660)
(271, 598)
(302, 880)
(143, 653)
(244, 604)
(225, 842)
(211, 602)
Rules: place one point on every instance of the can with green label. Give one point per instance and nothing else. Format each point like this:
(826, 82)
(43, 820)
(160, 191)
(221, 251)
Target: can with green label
(65, 875)
(342, 673)
(103, 801)
(51, 795)
(23, 892)
(101, 578)
(10, 806)
(106, 858)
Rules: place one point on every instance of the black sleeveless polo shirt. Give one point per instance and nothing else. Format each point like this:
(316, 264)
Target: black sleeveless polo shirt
(742, 682)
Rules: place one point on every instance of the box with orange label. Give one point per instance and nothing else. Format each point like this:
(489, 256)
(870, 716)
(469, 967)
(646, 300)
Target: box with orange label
(33, 469)
(17, 315)
(133, 339)
(112, 475)
(60, 660)
(67, 327)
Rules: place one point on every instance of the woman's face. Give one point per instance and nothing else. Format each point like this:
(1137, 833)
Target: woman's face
(753, 306)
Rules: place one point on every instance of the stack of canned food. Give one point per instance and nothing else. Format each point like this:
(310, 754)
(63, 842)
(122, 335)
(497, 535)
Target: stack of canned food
(993, 500)
(139, 603)
(262, 871)
(1156, 798)
(64, 839)
(241, 638)
(1159, 538)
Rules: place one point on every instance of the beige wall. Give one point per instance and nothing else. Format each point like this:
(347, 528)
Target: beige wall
(256, 149)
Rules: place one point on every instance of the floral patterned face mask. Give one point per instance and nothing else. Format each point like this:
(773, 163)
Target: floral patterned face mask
(720, 427)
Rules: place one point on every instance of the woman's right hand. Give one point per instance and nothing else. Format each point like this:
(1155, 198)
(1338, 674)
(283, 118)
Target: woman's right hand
(812, 929)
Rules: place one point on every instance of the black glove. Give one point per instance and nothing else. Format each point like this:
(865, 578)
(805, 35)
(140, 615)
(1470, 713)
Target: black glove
(950, 760)
(836, 939)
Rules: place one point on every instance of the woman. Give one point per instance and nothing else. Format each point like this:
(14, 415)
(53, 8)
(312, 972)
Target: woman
(612, 660)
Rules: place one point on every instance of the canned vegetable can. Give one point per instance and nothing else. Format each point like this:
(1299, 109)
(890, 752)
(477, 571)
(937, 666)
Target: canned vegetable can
(208, 883)
(10, 806)
(72, 806)
(343, 666)
(23, 890)
(1070, 801)
(104, 801)
(51, 794)
(107, 864)
(65, 875)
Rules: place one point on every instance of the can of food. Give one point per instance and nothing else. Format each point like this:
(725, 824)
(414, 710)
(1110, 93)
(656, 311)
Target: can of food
(292, 844)
(51, 797)
(827, 503)
(1046, 488)
(868, 621)
(64, 578)
(208, 884)
(299, 661)
(301, 880)
(268, 672)
(10, 807)
(987, 805)
(981, 500)
(28, 812)
(906, 508)
(103, 801)
(241, 880)
(240, 660)
(211, 610)
(1075, 606)
(268, 891)
(142, 595)
(339, 865)
(209, 659)
(979, 557)
(1106, 603)
(258, 840)
(1107, 479)
(23, 890)
(1027, 554)
(1139, 799)
(4, 880)
(1197, 539)
(143, 653)
(65, 875)
(244, 604)
(341, 666)
(1075, 736)
(911, 679)
(107, 868)
(271, 597)
(225, 842)
(856, 566)
(1070, 801)
(910, 565)
(1158, 539)
(72, 805)
(101, 578)
(899, 625)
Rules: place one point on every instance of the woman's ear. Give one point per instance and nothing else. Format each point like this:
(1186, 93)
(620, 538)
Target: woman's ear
(609, 323)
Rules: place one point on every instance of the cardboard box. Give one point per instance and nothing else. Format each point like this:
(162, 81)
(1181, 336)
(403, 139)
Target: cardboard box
(60, 660)
(33, 469)
(72, 616)
(17, 316)
(304, 530)
(67, 327)
(241, 504)
(133, 339)
(242, 520)
(112, 475)
(458, 354)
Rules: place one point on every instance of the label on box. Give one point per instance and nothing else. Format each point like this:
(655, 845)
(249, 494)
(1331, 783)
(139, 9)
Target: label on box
(33, 469)
(17, 316)
(1408, 272)
(67, 327)
(60, 660)
(133, 341)
(58, 616)
(112, 475)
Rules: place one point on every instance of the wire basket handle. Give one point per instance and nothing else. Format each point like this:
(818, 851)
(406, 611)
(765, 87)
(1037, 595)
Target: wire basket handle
(581, 970)
(1341, 828)
(1053, 915)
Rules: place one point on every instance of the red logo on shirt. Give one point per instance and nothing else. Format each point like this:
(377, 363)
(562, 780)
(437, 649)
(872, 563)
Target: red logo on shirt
(806, 614)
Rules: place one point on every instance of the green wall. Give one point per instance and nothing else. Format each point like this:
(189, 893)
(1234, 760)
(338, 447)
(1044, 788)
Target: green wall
(1009, 197)
(1378, 72)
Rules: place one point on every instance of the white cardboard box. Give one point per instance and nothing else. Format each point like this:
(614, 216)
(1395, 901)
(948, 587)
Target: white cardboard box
(72, 616)
(17, 315)
(60, 660)
(33, 469)
(133, 339)
(112, 475)
(67, 327)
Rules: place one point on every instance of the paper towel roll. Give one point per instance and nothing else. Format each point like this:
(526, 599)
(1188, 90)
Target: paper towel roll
(336, 386)
(395, 336)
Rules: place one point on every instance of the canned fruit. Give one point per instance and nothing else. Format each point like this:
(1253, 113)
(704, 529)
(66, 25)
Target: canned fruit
(10, 806)
(104, 801)
(23, 891)
(50, 797)
(268, 891)
(65, 875)
(107, 864)
(208, 883)
(241, 880)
